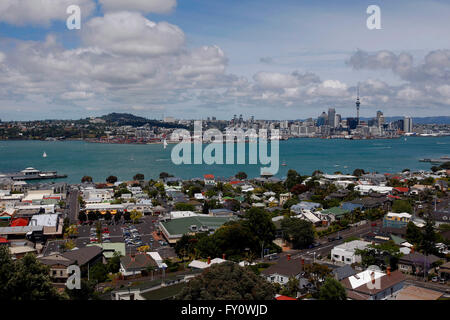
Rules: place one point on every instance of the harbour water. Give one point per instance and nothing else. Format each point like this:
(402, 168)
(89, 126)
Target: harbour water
(78, 158)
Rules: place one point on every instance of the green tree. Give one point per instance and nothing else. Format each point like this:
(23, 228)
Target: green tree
(111, 179)
(138, 177)
(164, 175)
(292, 179)
(260, 224)
(6, 272)
(108, 215)
(82, 216)
(113, 264)
(181, 206)
(413, 234)
(428, 243)
(290, 289)
(297, 231)
(205, 209)
(227, 281)
(26, 279)
(332, 290)
(290, 202)
(241, 175)
(400, 206)
(358, 172)
(87, 291)
(99, 272)
(86, 179)
(135, 215)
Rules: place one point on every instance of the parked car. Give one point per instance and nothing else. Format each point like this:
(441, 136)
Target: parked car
(435, 279)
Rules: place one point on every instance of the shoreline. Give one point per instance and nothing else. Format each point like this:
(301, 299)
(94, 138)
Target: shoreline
(224, 142)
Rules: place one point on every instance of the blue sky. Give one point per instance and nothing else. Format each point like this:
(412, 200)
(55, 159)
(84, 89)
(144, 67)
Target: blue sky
(216, 58)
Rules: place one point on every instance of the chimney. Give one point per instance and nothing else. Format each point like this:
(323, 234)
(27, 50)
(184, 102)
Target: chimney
(288, 257)
(209, 260)
(223, 256)
(389, 271)
(372, 275)
(412, 249)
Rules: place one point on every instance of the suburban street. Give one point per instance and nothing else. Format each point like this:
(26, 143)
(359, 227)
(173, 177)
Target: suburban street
(73, 206)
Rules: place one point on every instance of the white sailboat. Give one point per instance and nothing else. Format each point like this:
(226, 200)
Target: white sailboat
(165, 144)
(44, 155)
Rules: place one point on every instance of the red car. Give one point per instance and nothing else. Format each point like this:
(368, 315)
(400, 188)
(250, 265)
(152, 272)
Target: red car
(374, 224)
(105, 230)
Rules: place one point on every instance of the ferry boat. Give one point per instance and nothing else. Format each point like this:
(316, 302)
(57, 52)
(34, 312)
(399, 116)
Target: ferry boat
(32, 174)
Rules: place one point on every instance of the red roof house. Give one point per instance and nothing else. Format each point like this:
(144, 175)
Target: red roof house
(19, 222)
(280, 297)
(401, 189)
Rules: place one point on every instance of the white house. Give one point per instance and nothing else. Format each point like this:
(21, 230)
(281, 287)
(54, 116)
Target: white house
(346, 252)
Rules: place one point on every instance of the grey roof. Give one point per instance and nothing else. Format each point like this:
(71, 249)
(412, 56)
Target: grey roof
(288, 268)
(344, 272)
(83, 255)
(20, 230)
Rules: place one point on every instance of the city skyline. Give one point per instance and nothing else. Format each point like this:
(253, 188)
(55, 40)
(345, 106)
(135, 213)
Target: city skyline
(152, 58)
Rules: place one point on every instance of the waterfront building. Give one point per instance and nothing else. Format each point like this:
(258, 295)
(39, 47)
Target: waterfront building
(407, 124)
(332, 117)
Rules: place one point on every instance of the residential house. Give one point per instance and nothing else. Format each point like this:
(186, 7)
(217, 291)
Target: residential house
(345, 252)
(396, 220)
(209, 180)
(285, 269)
(83, 257)
(373, 285)
(416, 263)
(133, 265)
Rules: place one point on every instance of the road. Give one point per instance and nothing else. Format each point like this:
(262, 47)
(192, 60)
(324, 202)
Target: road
(73, 206)
(326, 246)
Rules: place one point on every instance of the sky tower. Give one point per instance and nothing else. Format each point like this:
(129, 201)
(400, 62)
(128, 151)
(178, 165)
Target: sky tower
(358, 104)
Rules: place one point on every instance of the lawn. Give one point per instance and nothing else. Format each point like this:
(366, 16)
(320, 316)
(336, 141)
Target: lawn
(164, 293)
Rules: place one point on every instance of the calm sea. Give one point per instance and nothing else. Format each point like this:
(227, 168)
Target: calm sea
(77, 158)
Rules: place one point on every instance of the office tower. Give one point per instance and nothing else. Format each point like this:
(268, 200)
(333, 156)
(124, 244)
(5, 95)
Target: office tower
(358, 104)
(407, 124)
(380, 118)
(332, 117)
(322, 120)
(338, 120)
(241, 119)
(352, 123)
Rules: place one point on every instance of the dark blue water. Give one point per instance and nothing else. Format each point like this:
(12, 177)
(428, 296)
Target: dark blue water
(76, 158)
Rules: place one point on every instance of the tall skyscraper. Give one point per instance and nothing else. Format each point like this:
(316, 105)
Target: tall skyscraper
(407, 124)
(332, 117)
(322, 120)
(338, 120)
(358, 104)
(380, 118)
